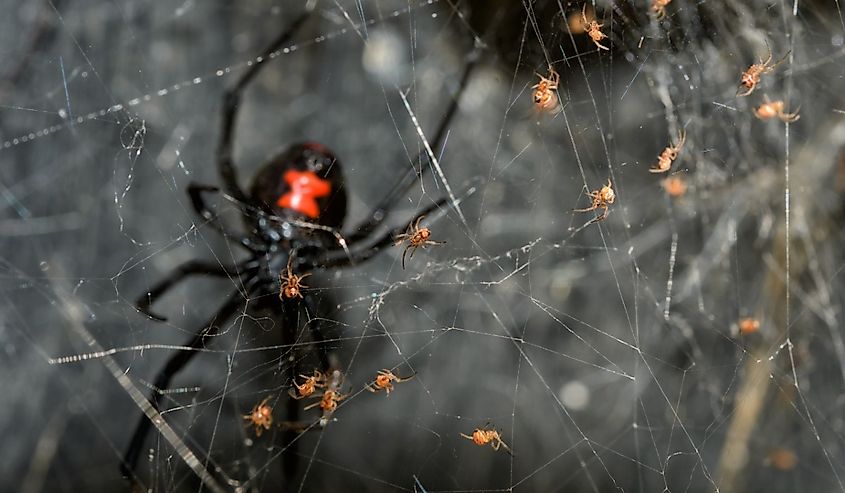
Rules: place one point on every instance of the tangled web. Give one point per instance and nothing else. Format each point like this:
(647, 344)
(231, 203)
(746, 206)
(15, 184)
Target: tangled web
(689, 341)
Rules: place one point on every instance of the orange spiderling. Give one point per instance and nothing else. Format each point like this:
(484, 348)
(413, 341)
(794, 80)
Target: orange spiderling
(545, 95)
(576, 23)
(602, 199)
(417, 238)
(658, 7)
(328, 401)
(384, 381)
(291, 283)
(748, 325)
(751, 77)
(775, 109)
(669, 154)
(782, 458)
(675, 186)
(307, 388)
(261, 417)
(593, 29)
(482, 437)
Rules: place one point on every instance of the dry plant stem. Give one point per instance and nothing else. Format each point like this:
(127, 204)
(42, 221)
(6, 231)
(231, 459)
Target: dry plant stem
(74, 316)
(752, 392)
(814, 162)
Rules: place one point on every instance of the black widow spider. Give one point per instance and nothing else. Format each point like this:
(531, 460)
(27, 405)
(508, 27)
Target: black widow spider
(293, 212)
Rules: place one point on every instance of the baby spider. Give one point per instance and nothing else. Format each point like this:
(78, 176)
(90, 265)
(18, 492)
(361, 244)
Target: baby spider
(602, 198)
(384, 381)
(328, 401)
(782, 458)
(659, 8)
(669, 154)
(593, 29)
(417, 238)
(577, 24)
(261, 417)
(291, 283)
(774, 109)
(748, 325)
(545, 97)
(751, 77)
(482, 437)
(675, 186)
(306, 389)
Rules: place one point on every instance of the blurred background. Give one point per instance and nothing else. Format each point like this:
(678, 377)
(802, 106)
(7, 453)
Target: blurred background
(690, 341)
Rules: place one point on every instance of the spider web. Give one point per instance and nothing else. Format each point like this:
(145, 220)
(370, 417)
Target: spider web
(607, 355)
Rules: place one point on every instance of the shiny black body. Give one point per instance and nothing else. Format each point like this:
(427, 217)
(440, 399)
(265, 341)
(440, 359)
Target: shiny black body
(273, 236)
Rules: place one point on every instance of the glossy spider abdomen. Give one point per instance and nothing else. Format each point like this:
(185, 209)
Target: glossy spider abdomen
(305, 182)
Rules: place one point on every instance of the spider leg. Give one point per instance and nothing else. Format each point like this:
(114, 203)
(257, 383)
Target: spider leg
(320, 379)
(505, 446)
(339, 258)
(312, 405)
(682, 138)
(297, 397)
(783, 59)
(165, 375)
(382, 210)
(291, 311)
(790, 117)
(290, 444)
(741, 94)
(317, 333)
(405, 379)
(409, 247)
(371, 388)
(190, 268)
(231, 101)
(195, 191)
(768, 52)
(600, 217)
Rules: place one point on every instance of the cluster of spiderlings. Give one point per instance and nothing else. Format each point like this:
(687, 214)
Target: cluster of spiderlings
(718, 164)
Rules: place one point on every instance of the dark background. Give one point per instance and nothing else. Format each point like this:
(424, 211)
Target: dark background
(608, 357)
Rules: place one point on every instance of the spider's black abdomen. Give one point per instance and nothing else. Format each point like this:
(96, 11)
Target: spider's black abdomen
(303, 182)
